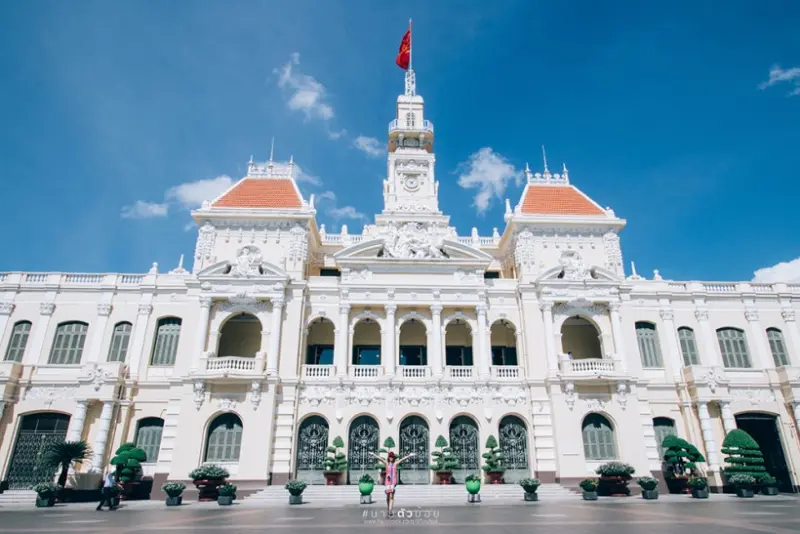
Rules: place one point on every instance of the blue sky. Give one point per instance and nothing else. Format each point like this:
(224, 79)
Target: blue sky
(680, 118)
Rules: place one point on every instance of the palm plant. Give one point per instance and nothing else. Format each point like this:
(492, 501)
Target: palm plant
(63, 454)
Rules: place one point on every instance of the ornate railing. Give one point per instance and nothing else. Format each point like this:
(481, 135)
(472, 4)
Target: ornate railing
(588, 366)
(365, 371)
(413, 371)
(236, 364)
(507, 372)
(459, 371)
(317, 371)
(426, 126)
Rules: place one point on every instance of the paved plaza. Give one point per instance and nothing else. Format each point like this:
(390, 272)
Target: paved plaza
(720, 514)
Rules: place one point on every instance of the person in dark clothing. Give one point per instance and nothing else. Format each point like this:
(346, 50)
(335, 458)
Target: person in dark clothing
(107, 492)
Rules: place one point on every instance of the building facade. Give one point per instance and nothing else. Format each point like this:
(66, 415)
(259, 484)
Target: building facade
(284, 336)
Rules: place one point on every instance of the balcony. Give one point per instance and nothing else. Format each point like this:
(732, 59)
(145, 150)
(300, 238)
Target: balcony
(232, 367)
(507, 372)
(318, 372)
(403, 126)
(590, 368)
(365, 371)
(459, 372)
(413, 371)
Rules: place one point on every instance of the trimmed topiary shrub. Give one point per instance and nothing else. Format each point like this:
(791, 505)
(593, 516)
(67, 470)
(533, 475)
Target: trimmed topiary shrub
(128, 461)
(493, 457)
(443, 459)
(648, 483)
(680, 455)
(336, 462)
(743, 455)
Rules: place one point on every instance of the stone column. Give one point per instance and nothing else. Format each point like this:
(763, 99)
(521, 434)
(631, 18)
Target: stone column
(710, 347)
(796, 410)
(99, 329)
(484, 354)
(763, 356)
(340, 349)
(728, 421)
(139, 331)
(275, 336)
(77, 421)
(389, 350)
(101, 438)
(708, 436)
(436, 361)
(616, 333)
(202, 332)
(673, 359)
(549, 339)
(6, 309)
(46, 310)
(789, 317)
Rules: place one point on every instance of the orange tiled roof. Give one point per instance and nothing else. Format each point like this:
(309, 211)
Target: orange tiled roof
(557, 200)
(276, 193)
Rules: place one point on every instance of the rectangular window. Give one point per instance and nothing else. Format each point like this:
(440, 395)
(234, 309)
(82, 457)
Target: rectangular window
(367, 355)
(68, 344)
(319, 355)
(413, 355)
(18, 341)
(330, 272)
(688, 347)
(777, 347)
(733, 347)
(491, 275)
(119, 342)
(648, 345)
(458, 355)
(504, 356)
(165, 347)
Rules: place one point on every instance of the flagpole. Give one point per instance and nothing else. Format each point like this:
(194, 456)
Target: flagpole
(410, 45)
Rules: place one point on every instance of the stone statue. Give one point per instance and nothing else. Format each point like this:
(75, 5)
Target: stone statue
(412, 241)
(574, 268)
(248, 262)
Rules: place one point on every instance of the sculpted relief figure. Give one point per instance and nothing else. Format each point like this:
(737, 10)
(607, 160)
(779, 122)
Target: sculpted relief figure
(574, 268)
(412, 241)
(248, 262)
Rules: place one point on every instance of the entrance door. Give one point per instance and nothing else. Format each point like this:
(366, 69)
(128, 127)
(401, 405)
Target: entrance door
(312, 442)
(764, 429)
(363, 440)
(36, 432)
(464, 443)
(514, 446)
(414, 438)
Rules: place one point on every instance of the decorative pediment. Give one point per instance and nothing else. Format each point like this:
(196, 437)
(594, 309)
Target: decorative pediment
(259, 269)
(573, 270)
(445, 252)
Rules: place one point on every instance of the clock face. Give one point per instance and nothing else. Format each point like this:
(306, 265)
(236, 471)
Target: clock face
(412, 183)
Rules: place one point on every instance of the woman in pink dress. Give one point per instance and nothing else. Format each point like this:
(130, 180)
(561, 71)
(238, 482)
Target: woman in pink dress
(391, 476)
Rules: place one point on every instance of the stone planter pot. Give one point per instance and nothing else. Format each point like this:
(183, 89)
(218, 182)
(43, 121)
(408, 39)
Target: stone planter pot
(365, 488)
(678, 484)
(296, 499)
(46, 501)
(225, 500)
(650, 495)
(444, 476)
(614, 486)
(745, 493)
(332, 478)
(495, 477)
(473, 497)
(174, 501)
(531, 497)
(700, 493)
(128, 489)
(208, 490)
(473, 486)
(589, 495)
(769, 490)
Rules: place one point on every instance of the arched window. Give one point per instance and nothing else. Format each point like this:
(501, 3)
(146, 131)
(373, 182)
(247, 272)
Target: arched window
(165, 346)
(778, 347)
(148, 437)
(598, 438)
(663, 426)
(688, 346)
(224, 439)
(68, 343)
(119, 342)
(648, 345)
(410, 120)
(18, 341)
(733, 347)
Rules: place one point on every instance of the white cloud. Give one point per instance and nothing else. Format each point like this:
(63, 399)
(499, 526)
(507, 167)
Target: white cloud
(327, 195)
(336, 135)
(370, 146)
(785, 271)
(301, 176)
(192, 194)
(346, 212)
(489, 173)
(306, 93)
(778, 75)
(144, 210)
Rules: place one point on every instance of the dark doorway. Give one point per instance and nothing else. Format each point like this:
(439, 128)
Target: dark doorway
(764, 429)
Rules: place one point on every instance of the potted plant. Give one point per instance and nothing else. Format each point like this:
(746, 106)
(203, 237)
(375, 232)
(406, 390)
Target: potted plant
(295, 489)
(388, 445)
(128, 462)
(335, 463)
(443, 462)
(699, 487)
(769, 485)
(681, 458)
(473, 485)
(365, 486)
(614, 478)
(227, 494)
(589, 487)
(743, 485)
(63, 454)
(743, 458)
(649, 487)
(207, 479)
(494, 461)
(529, 486)
(174, 492)
(45, 494)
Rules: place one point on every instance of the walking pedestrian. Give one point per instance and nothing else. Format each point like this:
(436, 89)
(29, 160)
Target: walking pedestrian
(109, 483)
(390, 481)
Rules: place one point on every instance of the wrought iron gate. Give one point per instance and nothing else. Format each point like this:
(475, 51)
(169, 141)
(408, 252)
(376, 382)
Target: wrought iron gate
(363, 440)
(514, 446)
(414, 439)
(464, 443)
(36, 432)
(312, 442)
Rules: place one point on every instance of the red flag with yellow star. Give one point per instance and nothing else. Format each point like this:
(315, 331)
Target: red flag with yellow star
(404, 55)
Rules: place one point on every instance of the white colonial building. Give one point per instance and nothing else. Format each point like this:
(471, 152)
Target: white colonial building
(284, 336)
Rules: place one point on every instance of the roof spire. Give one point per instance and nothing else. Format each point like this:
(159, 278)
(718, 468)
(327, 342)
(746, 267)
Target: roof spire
(544, 157)
(564, 172)
(271, 150)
